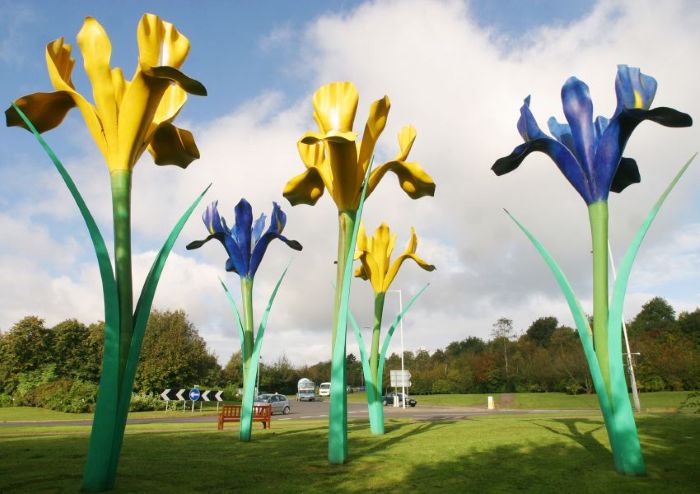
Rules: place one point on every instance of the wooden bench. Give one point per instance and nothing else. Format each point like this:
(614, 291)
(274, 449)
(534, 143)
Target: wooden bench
(232, 413)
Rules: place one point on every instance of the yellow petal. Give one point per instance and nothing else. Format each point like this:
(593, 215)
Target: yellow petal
(361, 244)
(170, 104)
(97, 50)
(382, 246)
(412, 178)
(406, 138)
(120, 84)
(60, 66)
(305, 188)
(347, 176)
(335, 105)
(409, 253)
(173, 146)
(378, 113)
(45, 110)
(160, 43)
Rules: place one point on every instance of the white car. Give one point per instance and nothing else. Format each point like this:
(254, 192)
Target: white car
(324, 389)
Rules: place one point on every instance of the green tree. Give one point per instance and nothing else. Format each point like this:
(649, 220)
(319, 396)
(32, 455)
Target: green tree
(502, 332)
(541, 330)
(656, 315)
(75, 352)
(689, 323)
(174, 355)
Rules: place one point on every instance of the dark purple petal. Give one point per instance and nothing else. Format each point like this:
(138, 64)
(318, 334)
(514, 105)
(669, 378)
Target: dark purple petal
(558, 153)
(627, 174)
(614, 139)
(198, 243)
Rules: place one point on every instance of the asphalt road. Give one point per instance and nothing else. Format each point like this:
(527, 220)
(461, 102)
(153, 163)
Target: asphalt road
(315, 410)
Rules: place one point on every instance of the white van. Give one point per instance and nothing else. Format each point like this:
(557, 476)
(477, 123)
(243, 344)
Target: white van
(324, 389)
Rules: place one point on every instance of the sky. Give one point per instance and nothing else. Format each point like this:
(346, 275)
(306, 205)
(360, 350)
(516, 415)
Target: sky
(456, 70)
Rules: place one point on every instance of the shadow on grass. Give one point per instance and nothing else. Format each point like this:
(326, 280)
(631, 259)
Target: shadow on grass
(575, 430)
(481, 455)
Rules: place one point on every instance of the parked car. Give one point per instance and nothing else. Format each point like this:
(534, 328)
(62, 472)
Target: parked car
(389, 399)
(279, 402)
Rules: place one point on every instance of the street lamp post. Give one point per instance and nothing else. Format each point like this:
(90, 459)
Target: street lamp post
(403, 380)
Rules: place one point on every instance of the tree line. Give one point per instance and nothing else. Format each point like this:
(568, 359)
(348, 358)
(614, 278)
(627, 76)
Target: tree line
(59, 366)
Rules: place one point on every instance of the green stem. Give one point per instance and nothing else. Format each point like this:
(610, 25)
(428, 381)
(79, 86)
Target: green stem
(248, 323)
(598, 215)
(121, 210)
(374, 393)
(338, 419)
(248, 371)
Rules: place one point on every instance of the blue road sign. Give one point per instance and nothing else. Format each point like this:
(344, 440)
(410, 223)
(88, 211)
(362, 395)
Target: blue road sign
(194, 394)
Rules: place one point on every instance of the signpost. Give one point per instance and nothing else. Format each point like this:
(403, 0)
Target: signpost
(400, 379)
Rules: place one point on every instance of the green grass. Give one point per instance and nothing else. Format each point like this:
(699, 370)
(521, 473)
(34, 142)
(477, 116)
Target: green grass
(661, 401)
(528, 453)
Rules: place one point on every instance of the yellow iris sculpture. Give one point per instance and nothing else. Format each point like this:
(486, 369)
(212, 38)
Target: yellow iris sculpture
(336, 160)
(374, 254)
(126, 118)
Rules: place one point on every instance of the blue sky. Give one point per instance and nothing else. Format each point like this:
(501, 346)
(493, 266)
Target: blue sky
(456, 70)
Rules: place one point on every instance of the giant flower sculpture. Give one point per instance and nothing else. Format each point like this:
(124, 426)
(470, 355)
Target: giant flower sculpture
(246, 245)
(589, 154)
(375, 266)
(126, 118)
(336, 160)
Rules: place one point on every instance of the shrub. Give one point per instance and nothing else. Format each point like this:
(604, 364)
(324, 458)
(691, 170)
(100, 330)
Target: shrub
(63, 395)
(143, 402)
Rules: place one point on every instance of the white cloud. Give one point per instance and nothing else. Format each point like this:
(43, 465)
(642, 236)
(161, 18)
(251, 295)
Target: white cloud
(461, 86)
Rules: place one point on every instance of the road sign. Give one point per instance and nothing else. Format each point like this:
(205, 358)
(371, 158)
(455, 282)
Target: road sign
(400, 378)
(194, 394)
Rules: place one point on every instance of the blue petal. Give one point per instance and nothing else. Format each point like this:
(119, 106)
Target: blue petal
(278, 221)
(241, 235)
(562, 133)
(599, 126)
(527, 125)
(633, 89)
(211, 218)
(578, 110)
(258, 228)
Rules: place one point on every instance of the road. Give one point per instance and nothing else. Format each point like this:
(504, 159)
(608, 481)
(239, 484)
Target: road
(316, 410)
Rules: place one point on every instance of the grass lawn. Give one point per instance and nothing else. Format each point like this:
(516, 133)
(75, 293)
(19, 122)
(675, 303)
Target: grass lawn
(528, 453)
(661, 401)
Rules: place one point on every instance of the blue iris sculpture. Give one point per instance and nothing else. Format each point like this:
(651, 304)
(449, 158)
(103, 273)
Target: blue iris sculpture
(246, 243)
(589, 154)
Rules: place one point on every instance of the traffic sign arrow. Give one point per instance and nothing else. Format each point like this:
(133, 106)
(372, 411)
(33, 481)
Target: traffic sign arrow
(164, 395)
(205, 395)
(218, 397)
(179, 395)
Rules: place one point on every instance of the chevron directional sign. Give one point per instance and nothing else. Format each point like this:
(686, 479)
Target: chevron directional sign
(193, 394)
